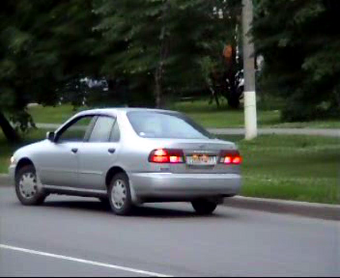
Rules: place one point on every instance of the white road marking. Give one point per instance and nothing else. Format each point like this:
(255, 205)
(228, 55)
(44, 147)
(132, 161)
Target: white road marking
(127, 269)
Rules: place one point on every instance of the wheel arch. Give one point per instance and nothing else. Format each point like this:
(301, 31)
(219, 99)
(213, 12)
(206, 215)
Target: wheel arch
(114, 170)
(25, 161)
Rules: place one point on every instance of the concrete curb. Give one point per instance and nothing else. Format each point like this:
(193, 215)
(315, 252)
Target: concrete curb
(320, 211)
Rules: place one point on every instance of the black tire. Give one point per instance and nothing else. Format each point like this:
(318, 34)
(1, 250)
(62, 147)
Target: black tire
(125, 206)
(204, 207)
(105, 202)
(37, 195)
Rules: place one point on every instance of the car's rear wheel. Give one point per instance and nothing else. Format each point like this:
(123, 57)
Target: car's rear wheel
(27, 188)
(120, 195)
(204, 207)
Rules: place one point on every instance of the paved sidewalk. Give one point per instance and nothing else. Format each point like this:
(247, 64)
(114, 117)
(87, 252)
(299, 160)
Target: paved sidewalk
(48, 126)
(284, 131)
(241, 131)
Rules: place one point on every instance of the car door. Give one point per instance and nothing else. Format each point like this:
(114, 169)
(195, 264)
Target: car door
(99, 153)
(60, 162)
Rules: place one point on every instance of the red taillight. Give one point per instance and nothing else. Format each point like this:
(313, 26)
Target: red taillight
(230, 157)
(166, 156)
(228, 160)
(237, 160)
(176, 159)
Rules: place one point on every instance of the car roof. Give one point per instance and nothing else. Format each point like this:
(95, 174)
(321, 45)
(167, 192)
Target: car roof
(123, 110)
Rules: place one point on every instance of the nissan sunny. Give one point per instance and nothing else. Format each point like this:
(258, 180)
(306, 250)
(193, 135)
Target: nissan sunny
(127, 157)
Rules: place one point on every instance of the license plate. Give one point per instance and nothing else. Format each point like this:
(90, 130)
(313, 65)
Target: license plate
(201, 159)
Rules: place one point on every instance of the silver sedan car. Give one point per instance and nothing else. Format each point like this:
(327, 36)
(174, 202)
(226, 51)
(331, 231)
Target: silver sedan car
(127, 157)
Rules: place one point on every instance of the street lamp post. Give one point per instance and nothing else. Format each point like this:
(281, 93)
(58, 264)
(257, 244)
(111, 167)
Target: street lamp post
(249, 72)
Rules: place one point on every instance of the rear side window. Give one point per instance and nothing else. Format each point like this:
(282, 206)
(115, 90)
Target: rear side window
(166, 125)
(102, 130)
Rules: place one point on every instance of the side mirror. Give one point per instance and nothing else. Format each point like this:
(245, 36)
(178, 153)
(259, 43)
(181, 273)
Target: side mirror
(50, 136)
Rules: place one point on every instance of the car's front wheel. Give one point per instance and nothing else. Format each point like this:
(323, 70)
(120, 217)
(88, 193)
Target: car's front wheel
(120, 195)
(105, 202)
(28, 191)
(204, 207)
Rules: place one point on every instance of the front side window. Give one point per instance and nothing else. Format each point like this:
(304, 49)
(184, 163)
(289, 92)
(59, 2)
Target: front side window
(166, 125)
(77, 131)
(102, 129)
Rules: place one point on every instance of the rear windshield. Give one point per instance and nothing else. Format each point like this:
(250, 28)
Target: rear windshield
(166, 125)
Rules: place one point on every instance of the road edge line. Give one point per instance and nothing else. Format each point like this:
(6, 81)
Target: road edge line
(88, 262)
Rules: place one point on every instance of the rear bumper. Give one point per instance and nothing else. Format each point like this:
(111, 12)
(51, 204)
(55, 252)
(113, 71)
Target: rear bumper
(177, 186)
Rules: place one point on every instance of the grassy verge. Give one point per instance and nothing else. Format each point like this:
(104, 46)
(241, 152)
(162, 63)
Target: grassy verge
(211, 117)
(6, 149)
(302, 168)
(48, 114)
(207, 115)
(297, 168)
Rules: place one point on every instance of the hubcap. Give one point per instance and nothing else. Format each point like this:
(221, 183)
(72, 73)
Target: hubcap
(119, 194)
(28, 185)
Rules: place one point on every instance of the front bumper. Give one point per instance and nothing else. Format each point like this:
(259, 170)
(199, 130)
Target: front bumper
(168, 185)
(11, 173)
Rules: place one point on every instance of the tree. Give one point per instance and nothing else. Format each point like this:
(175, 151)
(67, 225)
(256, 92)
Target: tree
(43, 45)
(222, 59)
(172, 45)
(146, 50)
(299, 41)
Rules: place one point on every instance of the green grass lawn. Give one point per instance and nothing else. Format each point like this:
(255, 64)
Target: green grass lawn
(303, 168)
(207, 115)
(49, 114)
(211, 117)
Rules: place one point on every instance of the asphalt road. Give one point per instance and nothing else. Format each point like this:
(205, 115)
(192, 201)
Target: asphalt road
(79, 237)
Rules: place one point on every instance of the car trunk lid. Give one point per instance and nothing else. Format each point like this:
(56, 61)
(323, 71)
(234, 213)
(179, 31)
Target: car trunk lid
(200, 156)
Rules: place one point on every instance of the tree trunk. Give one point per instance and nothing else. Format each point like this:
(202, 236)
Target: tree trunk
(164, 51)
(158, 91)
(233, 100)
(214, 96)
(159, 78)
(159, 75)
(10, 133)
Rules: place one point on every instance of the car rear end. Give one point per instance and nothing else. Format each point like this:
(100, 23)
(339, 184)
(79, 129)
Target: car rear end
(184, 171)
(168, 168)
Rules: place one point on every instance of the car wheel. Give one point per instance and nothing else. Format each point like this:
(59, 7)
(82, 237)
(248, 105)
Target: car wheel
(27, 187)
(105, 202)
(120, 195)
(204, 207)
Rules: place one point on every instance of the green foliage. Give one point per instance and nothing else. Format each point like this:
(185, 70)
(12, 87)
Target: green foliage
(171, 45)
(43, 45)
(300, 40)
(147, 50)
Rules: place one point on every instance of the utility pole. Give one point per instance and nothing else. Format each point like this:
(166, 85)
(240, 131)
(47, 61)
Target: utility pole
(250, 116)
